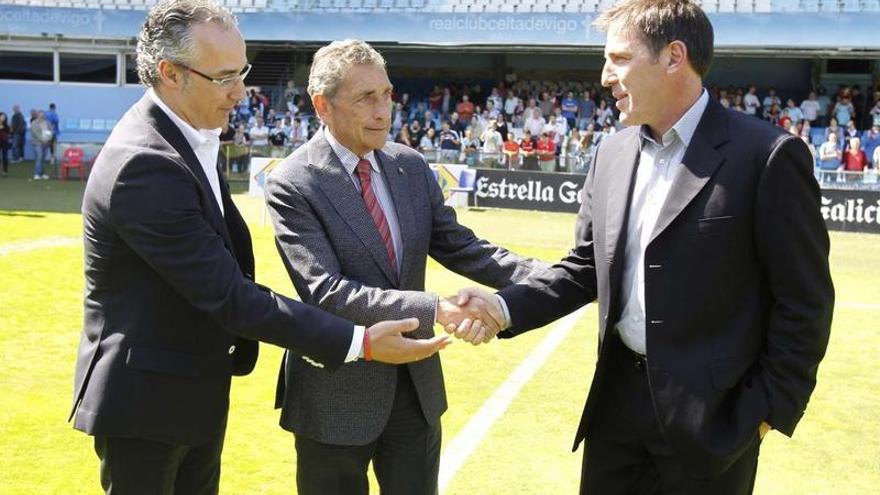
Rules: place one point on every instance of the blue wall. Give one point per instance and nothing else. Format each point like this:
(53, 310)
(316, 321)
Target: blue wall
(81, 108)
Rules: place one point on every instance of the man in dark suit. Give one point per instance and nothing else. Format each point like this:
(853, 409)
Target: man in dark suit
(171, 308)
(701, 238)
(356, 219)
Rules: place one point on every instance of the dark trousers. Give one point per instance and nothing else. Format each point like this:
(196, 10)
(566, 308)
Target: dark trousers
(626, 452)
(131, 466)
(406, 456)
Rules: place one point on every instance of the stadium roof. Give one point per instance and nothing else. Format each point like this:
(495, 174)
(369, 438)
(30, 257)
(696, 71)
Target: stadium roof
(849, 29)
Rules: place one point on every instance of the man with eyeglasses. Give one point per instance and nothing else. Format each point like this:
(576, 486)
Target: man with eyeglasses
(171, 307)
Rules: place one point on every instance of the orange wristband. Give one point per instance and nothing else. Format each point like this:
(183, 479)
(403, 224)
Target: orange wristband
(368, 351)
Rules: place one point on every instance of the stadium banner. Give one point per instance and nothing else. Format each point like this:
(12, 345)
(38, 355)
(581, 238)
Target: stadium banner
(259, 171)
(526, 190)
(762, 30)
(843, 210)
(851, 210)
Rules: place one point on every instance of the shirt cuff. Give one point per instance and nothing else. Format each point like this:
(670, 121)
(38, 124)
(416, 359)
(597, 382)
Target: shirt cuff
(356, 350)
(503, 304)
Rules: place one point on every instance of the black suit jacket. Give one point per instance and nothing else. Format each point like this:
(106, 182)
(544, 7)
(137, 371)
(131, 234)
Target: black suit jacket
(738, 292)
(171, 309)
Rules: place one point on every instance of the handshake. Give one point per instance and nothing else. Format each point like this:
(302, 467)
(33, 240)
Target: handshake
(473, 315)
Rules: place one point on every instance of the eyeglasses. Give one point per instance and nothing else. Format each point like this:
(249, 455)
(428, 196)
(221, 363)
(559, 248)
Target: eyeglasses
(226, 82)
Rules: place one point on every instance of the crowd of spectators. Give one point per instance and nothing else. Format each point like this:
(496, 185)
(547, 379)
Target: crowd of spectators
(41, 130)
(556, 126)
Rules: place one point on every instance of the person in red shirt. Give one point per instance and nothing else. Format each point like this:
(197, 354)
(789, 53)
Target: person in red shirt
(511, 151)
(854, 159)
(546, 153)
(527, 150)
(465, 109)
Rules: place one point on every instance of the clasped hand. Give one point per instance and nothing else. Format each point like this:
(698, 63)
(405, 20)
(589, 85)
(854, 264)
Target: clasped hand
(473, 315)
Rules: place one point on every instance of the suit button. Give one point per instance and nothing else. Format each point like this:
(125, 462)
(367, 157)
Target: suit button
(231, 349)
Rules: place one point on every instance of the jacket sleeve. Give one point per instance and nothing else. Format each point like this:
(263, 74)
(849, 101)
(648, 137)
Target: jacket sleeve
(792, 245)
(155, 209)
(564, 287)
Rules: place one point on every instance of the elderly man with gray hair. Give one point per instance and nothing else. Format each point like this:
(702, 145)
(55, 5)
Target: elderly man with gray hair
(355, 219)
(171, 307)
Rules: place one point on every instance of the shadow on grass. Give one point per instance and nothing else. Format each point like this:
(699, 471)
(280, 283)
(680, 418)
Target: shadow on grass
(15, 214)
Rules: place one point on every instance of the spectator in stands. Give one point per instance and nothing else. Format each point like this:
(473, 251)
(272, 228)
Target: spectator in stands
(586, 110)
(465, 109)
(428, 144)
(470, 147)
(751, 101)
(529, 159)
(450, 143)
(41, 140)
(278, 139)
(19, 131)
(569, 109)
(875, 112)
(773, 113)
(854, 160)
(55, 123)
(849, 133)
(512, 105)
(835, 129)
(435, 98)
(493, 145)
(446, 102)
(793, 113)
(546, 152)
(738, 105)
(239, 151)
(723, 98)
(259, 133)
(604, 114)
(5, 143)
(810, 108)
(511, 154)
(843, 111)
(572, 147)
(546, 104)
(876, 158)
(298, 133)
(456, 124)
(829, 157)
(824, 106)
(503, 128)
(492, 112)
(534, 121)
(496, 100)
(403, 136)
(416, 131)
(770, 100)
(871, 140)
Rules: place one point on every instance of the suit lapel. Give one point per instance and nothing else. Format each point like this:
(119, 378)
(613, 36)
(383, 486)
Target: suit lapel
(168, 130)
(398, 184)
(621, 178)
(699, 164)
(620, 173)
(342, 194)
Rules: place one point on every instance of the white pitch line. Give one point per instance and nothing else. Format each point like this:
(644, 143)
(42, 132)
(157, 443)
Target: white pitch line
(48, 242)
(468, 439)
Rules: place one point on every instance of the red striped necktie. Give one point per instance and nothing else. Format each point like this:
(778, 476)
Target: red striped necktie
(375, 210)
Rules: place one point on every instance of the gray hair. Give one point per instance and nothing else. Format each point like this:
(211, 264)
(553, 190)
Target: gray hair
(167, 34)
(332, 62)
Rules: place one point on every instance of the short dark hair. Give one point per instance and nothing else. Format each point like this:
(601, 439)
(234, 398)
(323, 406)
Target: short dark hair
(660, 22)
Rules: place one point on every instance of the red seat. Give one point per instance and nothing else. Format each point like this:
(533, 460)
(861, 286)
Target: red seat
(72, 159)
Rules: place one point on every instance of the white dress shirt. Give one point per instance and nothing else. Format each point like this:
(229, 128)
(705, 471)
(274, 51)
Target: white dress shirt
(205, 143)
(659, 163)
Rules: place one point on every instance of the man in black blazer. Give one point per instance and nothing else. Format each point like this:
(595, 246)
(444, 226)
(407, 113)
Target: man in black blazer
(171, 308)
(701, 238)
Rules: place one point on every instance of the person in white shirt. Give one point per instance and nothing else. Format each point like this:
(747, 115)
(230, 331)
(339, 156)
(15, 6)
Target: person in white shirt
(493, 145)
(810, 108)
(259, 133)
(511, 104)
(751, 101)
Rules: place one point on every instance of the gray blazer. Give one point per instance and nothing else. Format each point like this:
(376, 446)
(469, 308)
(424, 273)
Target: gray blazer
(337, 262)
